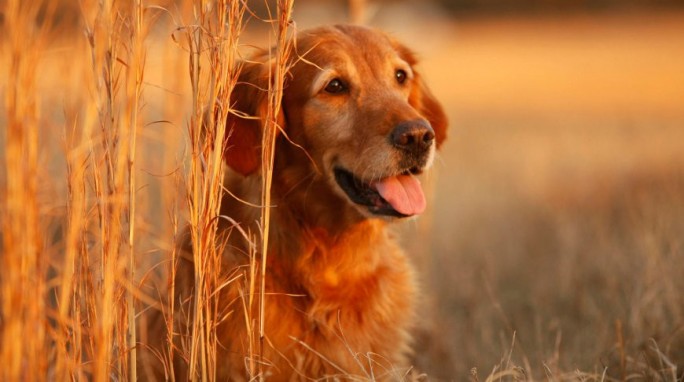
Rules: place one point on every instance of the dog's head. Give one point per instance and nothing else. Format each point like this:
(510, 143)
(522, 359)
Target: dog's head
(356, 104)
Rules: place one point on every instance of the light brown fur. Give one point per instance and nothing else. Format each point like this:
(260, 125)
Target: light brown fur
(341, 292)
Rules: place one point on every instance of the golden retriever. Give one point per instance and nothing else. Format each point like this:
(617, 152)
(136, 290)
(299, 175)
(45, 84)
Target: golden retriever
(360, 124)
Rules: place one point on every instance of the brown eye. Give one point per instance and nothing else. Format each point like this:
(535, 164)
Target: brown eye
(335, 86)
(400, 75)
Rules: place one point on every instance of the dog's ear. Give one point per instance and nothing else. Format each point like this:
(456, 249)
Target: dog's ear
(245, 122)
(422, 99)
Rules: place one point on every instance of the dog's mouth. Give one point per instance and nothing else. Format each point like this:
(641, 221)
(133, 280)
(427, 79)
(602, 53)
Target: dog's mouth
(399, 196)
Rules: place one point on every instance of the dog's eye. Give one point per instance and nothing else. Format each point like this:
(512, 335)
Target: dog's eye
(400, 75)
(335, 86)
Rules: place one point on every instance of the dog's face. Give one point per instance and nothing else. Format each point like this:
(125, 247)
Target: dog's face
(359, 108)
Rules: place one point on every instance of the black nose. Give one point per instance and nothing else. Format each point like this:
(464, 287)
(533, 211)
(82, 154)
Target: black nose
(416, 136)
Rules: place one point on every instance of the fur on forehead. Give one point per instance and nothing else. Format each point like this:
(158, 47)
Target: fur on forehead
(317, 43)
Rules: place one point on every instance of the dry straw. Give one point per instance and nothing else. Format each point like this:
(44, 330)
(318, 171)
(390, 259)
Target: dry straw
(80, 322)
(70, 313)
(217, 31)
(24, 330)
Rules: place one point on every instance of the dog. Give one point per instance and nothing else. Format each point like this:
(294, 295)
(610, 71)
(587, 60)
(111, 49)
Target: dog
(358, 126)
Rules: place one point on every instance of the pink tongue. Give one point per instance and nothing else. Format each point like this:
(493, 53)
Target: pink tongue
(404, 193)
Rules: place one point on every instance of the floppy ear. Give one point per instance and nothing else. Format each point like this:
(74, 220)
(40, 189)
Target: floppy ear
(422, 99)
(244, 125)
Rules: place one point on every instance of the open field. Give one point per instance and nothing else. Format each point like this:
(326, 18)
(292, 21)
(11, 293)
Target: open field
(554, 241)
(559, 202)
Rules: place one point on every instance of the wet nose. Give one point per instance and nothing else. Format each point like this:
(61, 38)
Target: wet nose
(414, 136)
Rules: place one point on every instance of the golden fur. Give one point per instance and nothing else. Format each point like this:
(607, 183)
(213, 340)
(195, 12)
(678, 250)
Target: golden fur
(340, 291)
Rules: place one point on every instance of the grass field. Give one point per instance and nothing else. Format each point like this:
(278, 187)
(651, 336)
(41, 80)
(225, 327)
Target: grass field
(559, 202)
(553, 248)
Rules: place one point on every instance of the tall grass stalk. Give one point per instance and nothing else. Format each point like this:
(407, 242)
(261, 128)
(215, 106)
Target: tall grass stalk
(115, 37)
(108, 192)
(74, 284)
(216, 31)
(134, 75)
(271, 128)
(24, 311)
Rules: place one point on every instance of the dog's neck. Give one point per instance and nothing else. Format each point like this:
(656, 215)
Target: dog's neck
(327, 253)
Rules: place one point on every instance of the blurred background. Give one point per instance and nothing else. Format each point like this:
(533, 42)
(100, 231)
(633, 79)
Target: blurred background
(555, 236)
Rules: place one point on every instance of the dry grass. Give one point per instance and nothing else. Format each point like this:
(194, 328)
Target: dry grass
(555, 253)
(560, 201)
(24, 335)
